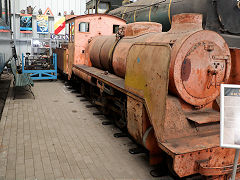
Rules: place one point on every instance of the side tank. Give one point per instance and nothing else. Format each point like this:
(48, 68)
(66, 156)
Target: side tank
(200, 59)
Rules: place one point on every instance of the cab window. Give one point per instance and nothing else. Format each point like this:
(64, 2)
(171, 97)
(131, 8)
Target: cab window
(84, 27)
(115, 29)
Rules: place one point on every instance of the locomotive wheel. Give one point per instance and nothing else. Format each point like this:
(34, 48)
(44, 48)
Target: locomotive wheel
(121, 124)
(119, 121)
(160, 171)
(83, 89)
(119, 135)
(170, 167)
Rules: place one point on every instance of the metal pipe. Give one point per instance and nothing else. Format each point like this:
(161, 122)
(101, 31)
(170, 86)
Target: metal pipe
(96, 4)
(235, 164)
(6, 12)
(14, 21)
(0, 8)
(10, 12)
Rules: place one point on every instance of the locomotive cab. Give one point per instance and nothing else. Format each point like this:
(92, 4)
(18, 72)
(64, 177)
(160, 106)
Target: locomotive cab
(82, 29)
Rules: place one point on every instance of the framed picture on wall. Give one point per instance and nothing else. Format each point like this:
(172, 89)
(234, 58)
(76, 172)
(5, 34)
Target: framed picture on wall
(25, 23)
(42, 24)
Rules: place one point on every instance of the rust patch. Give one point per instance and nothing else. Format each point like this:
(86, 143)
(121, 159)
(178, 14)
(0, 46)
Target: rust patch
(186, 69)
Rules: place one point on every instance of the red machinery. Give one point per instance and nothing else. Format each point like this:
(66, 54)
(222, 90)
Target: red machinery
(164, 86)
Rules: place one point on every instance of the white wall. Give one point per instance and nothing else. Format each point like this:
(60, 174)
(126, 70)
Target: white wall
(78, 6)
(23, 43)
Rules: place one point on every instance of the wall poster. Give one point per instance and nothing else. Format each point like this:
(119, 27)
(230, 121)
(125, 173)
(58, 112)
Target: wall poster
(42, 24)
(25, 23)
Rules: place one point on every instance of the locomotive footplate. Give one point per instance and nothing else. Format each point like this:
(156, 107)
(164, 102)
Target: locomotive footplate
(199, 154)
(103, 77)
(106, 77)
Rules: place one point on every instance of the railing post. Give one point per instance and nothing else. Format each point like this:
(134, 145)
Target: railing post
(23, 64)
(55, 64)
(235, 164)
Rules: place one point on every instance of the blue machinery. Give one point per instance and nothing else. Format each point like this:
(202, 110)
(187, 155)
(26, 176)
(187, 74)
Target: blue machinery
(42, 74)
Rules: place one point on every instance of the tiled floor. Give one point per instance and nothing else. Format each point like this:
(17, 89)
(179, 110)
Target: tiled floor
(56, 137)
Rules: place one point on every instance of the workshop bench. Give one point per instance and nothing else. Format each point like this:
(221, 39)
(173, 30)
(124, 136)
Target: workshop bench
(21, 80)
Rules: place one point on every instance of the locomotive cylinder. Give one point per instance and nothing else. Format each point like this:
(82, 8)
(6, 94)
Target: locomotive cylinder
(200, 59)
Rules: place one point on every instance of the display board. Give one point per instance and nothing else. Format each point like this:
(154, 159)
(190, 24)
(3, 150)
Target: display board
(42, 24)
(230, 116)
(26, 23)
(59, 37)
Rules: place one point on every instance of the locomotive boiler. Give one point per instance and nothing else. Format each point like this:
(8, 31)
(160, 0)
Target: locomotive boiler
(162, 86)
(221, 16)
(200, 59)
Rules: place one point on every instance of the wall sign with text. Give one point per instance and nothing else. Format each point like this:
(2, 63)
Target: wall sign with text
(230, 116)
(59, 37)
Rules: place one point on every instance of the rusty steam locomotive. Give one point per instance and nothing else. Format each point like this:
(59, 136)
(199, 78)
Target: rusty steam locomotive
(162, 86)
